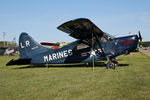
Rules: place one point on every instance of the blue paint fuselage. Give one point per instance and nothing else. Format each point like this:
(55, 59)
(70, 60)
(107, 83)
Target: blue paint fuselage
(69, 53)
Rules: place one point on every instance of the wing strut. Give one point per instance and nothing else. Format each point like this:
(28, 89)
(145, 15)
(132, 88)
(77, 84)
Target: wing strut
(93, 52)
(99, 44)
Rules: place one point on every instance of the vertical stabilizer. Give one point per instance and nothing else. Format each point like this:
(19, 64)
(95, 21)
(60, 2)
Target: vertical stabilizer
(28, 46)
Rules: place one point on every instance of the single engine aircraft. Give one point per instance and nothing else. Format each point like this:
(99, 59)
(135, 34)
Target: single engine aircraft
(91, 45)
(50, 45)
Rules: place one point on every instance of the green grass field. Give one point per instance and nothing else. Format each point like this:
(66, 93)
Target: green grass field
(130, 81)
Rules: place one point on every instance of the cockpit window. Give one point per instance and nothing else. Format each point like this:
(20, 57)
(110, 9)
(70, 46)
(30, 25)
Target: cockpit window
(106, 37)
(81, 46)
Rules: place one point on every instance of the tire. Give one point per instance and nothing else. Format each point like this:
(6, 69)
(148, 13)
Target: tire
(110, 65)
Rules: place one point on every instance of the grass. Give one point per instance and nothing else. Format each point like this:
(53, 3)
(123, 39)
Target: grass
(127, 82)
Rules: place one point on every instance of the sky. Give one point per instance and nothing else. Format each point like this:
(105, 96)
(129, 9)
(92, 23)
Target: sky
(40, 18)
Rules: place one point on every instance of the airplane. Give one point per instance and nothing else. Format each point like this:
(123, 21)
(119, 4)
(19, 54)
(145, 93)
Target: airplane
(50, 45)
(53, 45)
(91, 45)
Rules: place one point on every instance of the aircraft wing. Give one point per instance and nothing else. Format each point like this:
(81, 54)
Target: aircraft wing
(81, 28)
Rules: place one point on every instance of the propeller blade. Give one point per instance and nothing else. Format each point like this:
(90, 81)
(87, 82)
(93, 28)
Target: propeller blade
(140, 37)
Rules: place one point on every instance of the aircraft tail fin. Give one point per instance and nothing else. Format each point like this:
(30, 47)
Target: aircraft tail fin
(28, 46)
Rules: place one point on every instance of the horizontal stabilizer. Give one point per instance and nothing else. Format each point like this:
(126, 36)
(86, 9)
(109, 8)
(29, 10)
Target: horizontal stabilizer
(18, 62)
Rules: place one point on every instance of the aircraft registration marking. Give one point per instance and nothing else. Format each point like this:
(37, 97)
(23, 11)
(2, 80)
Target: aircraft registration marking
(27, 44)
(127, 43)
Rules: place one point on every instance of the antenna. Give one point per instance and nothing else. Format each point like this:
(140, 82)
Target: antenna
(129, 33)
(4, 34)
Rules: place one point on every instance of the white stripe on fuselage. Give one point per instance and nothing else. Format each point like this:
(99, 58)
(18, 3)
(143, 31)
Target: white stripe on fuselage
(57, 55)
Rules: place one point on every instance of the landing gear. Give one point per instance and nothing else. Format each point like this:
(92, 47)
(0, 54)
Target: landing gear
(115, 62)
(112, 64)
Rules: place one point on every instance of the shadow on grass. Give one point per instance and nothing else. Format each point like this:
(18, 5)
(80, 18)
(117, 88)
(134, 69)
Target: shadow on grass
(99, 64)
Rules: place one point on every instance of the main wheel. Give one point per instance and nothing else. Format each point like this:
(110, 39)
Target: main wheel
(110, 65)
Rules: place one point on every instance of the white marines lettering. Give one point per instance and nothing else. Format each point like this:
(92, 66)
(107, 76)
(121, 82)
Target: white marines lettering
(58, 55)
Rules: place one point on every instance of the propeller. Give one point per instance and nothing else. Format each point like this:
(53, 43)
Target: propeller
(140, 38)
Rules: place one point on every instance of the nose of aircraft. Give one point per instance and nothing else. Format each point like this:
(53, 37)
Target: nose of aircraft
(134, 39)
(129, 43)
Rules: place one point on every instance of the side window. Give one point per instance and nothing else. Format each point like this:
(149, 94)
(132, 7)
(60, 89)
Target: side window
(81, 46)
(103, 40)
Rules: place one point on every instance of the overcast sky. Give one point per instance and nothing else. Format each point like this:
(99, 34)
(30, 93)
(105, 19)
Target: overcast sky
(40, 18)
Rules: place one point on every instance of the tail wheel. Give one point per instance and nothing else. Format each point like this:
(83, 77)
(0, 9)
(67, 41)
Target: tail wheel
(111, 65)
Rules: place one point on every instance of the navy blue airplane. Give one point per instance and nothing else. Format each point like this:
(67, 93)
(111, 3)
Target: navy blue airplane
(92, 45)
